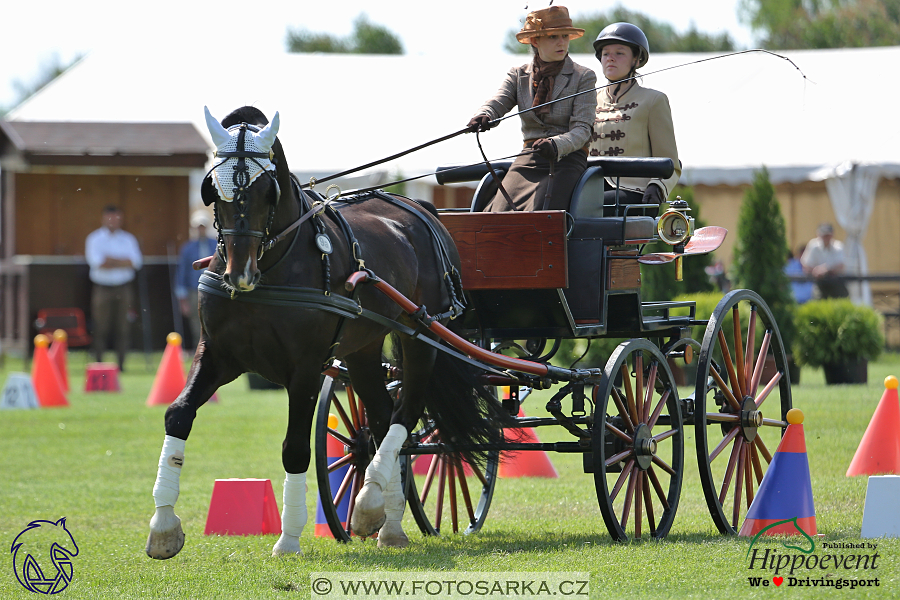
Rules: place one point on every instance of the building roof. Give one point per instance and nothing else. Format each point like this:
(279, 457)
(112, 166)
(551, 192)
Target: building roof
(104, 143)
(732, 114)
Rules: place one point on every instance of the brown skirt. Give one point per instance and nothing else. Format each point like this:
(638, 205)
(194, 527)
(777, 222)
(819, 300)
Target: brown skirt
(528, 182)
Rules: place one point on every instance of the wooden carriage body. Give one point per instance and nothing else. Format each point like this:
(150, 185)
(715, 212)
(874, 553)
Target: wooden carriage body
(560, 274)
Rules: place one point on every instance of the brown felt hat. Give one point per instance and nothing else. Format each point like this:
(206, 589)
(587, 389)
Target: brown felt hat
(548, 21)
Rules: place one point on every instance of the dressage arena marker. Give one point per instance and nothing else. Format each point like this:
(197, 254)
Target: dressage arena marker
(102, 377)
(45, 376)
(58, 351)
(334, 450)
(170, 379)
(880, 516)
(18, 392)
(879, 450)
(785, 493)
(242, 507)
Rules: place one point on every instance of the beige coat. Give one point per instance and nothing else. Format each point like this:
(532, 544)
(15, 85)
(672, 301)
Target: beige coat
(569, 122)
(639, 124)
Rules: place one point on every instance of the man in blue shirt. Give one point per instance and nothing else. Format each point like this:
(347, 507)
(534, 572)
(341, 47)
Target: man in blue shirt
(186, 278)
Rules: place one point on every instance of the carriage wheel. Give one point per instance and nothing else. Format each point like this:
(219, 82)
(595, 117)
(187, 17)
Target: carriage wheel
(445, 493)
(637, 442)
(340, 476)
(740, 376)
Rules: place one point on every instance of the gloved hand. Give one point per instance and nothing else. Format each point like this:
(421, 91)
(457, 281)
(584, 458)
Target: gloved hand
(652, 195)
(479, 123)
(545, 147)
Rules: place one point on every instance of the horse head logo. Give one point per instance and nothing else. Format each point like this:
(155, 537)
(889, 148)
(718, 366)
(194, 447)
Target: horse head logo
(41, 544)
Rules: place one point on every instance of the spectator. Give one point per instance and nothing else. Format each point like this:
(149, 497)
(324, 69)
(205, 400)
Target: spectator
(114, 257)
(186, 278)
(824, 260)
(802, 290)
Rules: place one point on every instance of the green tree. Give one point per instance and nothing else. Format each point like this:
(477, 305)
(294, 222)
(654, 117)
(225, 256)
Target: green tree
(760, 253)
(658, 281)
(367, 38)
(661, 36)
(792, 24)
(48, 72)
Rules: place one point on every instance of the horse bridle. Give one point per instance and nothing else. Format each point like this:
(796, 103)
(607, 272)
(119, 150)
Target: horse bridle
(241, 181)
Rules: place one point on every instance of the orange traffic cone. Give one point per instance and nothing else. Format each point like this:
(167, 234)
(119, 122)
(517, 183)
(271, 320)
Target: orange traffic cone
(242, 507)
(784, 501)
(531, 463)
(170, 378)
(879, 450)
(45, 376)
(58, 350)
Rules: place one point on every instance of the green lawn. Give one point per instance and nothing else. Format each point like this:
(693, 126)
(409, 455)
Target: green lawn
(95, 463)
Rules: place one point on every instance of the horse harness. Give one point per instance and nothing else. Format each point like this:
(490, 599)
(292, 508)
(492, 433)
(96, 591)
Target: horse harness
(343, 306)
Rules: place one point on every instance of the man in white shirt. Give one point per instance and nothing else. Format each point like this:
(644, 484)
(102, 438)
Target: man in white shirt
(824, 260)
(113, 256)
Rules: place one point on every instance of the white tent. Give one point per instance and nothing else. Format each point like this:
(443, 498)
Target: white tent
(831, 117)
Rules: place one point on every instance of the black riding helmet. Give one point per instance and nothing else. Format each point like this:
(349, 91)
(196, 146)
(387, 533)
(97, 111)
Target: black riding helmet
(624, 33)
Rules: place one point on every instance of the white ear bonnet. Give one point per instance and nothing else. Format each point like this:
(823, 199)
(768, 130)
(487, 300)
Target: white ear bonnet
(226, 141)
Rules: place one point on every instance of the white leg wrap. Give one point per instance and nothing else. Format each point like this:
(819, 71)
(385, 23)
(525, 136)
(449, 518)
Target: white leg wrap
(381, 469)
(293, 514)
(391, 533)
(165, 490)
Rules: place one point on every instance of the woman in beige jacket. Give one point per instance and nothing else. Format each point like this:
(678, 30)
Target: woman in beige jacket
(631, 120)
(557, 133)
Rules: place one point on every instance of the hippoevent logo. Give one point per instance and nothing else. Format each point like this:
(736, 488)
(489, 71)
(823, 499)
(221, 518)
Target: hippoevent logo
(42, 556)
(803, 567)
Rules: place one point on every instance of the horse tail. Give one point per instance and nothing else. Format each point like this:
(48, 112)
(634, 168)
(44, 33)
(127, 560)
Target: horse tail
(464, 410)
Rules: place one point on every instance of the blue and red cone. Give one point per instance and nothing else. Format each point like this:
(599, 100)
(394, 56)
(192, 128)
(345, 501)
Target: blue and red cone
(334, 450)
(786, 490)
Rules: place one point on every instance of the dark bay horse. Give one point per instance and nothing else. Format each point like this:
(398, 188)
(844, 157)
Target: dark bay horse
(277, 306)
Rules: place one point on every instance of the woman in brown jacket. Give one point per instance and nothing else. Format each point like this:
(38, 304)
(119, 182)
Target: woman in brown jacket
(631, 120)
(557, 133)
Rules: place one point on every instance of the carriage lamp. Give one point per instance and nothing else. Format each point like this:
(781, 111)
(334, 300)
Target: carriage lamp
(675, 228)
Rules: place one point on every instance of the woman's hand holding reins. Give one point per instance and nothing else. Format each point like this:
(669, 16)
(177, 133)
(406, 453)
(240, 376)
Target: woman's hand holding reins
(545, 147)
(479, 123)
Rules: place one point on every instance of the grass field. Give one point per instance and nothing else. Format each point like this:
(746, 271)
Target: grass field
(95, 463)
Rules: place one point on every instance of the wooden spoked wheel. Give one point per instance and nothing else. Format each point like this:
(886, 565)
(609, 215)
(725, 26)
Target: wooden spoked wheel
(445, 493)
(343, 450)
(741, 376)
(637, 443)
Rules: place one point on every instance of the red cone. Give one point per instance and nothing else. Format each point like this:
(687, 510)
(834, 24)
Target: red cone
(170, 378)
(879, 450)
(58, 351)
(531, 463)
(242, 507)
(45, 376)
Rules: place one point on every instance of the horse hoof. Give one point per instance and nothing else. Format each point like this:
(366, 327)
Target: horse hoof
(368, 515)
(286, 544)
(391, 535)
(166, 536)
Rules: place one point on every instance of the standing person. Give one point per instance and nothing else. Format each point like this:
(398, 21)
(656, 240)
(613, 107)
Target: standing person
(186, 278)
(632, 120)
(824, 260)
(802, 290)
(557, 133)
(114, 257)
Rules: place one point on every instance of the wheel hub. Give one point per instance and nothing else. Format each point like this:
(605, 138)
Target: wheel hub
(751, 418)
(644, 446)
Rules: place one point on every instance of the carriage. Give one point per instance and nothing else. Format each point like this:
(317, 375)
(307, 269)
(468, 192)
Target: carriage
(534, 279)
(304, 288)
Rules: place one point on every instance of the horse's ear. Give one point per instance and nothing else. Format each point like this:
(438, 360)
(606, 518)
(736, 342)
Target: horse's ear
(218, 133)
(266, 137)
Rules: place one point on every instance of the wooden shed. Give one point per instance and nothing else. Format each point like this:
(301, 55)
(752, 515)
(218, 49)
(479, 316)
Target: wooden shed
(55, 180)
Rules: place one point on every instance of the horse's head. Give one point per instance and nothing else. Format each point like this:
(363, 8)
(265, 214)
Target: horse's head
(244, 189)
